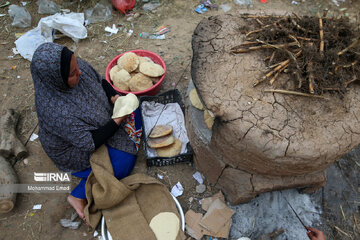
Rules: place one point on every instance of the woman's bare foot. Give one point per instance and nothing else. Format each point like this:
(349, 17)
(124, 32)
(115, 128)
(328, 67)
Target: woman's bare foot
(78, 204)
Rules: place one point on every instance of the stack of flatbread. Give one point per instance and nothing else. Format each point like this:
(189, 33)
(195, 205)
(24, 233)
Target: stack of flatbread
(161, 138)
(135, 73)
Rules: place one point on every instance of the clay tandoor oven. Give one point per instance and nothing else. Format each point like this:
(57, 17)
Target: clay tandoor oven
(261, 141)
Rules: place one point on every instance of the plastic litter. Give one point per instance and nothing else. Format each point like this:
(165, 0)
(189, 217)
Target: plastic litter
(1, 15)
(24, 3)
(201, 9)
(102, 12)
(336, 2)
(295, 2)
(198, 177)
(243, 2)
(48, 7)
(69, 223)
(160, 176)
(209, 4)
(177, 190)
(225, 7)
(123, 5)
(151, 36)
(151, 6)
(20, 15)
(71, 25)
(204, 6)
(5, 4)
(112, 30)
(33, 137)
(37, 206)
(162, 30)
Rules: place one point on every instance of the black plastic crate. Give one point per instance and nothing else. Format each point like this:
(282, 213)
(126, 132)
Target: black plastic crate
(171, 96)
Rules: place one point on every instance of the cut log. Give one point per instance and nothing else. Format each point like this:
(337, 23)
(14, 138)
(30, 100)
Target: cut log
(9, 142)
(7, 177)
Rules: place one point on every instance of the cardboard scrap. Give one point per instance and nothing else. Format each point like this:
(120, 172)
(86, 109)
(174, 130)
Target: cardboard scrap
(193, 228)
(206, 202)
(224, 232)
(218, 215)
(216, 222)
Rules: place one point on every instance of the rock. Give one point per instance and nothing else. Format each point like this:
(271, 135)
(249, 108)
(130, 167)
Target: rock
(26, 161)
(236, 185)
(200, 188)
(241, 187)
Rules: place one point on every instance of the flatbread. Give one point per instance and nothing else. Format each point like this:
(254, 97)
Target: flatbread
(171, 150)
(209, 119)
(195, 100)
(151, 69)
(140, 82)
(125, 105)
(165, 226)
(121, 80)
(114, 70)
(155, 79)
(161, 141)
(160, 131)
(129, 61)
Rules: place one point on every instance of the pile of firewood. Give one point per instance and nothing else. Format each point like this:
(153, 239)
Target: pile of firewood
(321, 54)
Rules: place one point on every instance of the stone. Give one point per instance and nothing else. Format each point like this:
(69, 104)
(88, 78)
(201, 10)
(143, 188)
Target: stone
(200, 188)
(236, 185)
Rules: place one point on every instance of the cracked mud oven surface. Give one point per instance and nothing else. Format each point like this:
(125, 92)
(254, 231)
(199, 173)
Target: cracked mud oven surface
(266, 133)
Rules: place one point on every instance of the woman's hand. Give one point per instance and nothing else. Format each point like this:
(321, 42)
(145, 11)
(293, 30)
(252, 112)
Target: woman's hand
(119, 120)
(315, 234)
(113, 98)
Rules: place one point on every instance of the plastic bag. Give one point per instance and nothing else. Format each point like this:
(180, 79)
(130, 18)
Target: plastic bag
(21, 16)
(71, 25)
(102, 12)
(123, 5)
(47, 7)
(151, 6)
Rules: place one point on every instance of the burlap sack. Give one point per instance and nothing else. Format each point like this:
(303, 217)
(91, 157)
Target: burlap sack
(127, 205)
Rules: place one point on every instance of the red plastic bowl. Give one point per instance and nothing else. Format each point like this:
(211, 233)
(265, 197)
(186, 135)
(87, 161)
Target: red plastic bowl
(143, 53)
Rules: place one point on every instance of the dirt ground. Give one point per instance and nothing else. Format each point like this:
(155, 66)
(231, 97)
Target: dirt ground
(16, 91)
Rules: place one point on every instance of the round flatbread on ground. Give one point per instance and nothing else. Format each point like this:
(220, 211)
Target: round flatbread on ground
(171, 150)
(160, 131)
(195, 100)
(165, 226)
(129, 61)
(161, 141)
